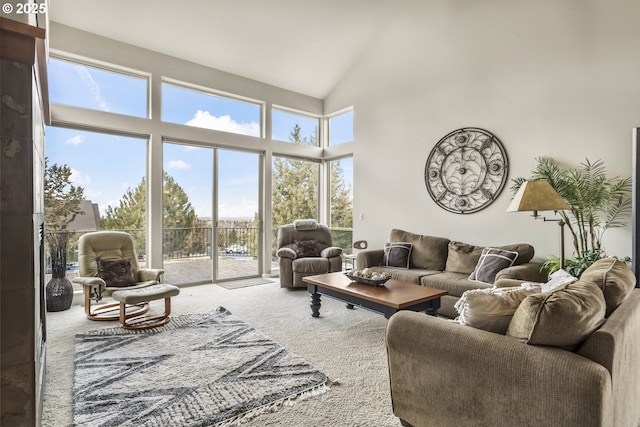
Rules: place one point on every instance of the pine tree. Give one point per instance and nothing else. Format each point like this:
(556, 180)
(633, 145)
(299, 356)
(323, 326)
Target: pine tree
(179, 218)
(295, 184)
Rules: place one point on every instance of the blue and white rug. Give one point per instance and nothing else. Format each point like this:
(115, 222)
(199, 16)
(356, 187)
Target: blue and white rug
(198, 370)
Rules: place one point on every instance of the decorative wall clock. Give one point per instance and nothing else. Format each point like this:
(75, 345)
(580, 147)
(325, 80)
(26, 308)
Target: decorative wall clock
(466, 170)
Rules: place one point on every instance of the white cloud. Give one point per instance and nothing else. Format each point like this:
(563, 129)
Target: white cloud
(94, 88)
(204, 119)
(77, 178)
(75, 140)
(178, 164)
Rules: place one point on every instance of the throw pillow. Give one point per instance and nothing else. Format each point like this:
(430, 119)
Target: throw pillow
(306, 248)
(491, 309)
(462, 257)
(116, 273)
(427, 253)
(563, 318)
(490, 263)
(614, 278)
(558, 279)
(397, 254)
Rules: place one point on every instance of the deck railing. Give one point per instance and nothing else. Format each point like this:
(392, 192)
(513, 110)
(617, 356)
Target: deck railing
(195, 242)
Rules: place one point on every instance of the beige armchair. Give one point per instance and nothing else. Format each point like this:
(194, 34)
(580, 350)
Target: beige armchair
(305, 248)
(107, 263)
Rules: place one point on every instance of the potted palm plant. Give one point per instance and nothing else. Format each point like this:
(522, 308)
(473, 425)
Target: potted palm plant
(597, 203)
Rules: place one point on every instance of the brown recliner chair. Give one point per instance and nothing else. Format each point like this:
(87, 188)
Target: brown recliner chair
(305, 248)
(116, 249)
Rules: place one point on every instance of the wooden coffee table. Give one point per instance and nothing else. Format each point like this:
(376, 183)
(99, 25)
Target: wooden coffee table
(388, 299)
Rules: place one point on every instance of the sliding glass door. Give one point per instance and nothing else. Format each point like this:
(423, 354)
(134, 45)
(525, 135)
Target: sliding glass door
(210, 214)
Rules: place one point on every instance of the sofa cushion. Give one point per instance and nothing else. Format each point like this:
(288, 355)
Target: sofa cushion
(614, 278)
(428, 252)
(396, 254)
(490, 263)
(454, 283)
(311, 265)
(463, 258)
(563, 317)
(491, 309)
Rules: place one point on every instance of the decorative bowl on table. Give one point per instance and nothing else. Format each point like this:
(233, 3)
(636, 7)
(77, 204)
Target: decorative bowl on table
(368, 277)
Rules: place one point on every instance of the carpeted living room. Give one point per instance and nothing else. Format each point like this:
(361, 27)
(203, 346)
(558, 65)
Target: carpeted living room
(402, 137)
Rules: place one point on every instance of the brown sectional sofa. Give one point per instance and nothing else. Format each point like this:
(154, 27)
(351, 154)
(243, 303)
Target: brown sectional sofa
(438, 262)
(570, 357)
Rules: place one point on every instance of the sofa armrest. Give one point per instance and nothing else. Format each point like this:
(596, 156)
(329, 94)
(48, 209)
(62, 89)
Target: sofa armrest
(331, 252)
(446, 374)
(515, 275)
(286, 253)
(369, 258)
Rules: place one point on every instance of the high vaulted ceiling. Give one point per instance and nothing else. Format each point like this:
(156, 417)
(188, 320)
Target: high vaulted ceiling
(302, 45)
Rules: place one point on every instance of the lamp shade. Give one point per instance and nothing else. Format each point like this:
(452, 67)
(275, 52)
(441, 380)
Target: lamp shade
(537, 196)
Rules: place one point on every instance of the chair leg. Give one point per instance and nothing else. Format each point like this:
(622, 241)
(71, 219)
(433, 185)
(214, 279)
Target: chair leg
(146, 321)
(111, 311)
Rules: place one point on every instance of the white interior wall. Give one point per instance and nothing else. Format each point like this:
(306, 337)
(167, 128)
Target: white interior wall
(548, 78)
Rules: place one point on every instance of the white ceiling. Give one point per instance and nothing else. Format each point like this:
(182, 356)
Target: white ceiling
(302, 45)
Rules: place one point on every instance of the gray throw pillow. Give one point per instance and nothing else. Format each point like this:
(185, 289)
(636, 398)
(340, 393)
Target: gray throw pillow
(307, 248)
(116, 273)
(491, 261)
(397, 254)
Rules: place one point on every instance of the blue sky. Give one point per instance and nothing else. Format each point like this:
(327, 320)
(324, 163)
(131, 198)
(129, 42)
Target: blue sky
(107, 165)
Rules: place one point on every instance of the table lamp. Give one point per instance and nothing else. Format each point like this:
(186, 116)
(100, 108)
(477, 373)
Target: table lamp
(537, 196)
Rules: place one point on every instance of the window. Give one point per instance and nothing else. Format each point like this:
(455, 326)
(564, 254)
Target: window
(341, 202)
(110, 169)
(294, 191)
(296, 128)
(85, 86)
(194, 108)
(341, 128)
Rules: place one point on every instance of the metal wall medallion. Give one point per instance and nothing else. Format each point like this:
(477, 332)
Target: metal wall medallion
(466, 170)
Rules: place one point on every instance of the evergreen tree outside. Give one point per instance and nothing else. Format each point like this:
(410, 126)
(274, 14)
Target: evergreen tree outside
(294, 187)
(61, 206)
(179, 219)
(341, 208)
(61, 198)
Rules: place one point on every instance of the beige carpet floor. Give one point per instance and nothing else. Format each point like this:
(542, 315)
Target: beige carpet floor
(347, 345)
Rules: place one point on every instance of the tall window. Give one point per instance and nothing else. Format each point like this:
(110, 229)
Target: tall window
(294, 191)
(194, 108)
(341, 201)
(283, 123)
(341, 128)
(110, 170)
(85, 86)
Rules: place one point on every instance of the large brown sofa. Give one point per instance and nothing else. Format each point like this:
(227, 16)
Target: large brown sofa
(440, 263)
(570, 357)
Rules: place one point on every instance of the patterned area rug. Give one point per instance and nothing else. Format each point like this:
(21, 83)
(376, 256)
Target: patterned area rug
(198, 370)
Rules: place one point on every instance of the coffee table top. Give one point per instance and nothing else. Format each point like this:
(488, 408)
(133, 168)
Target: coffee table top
(394, 293)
